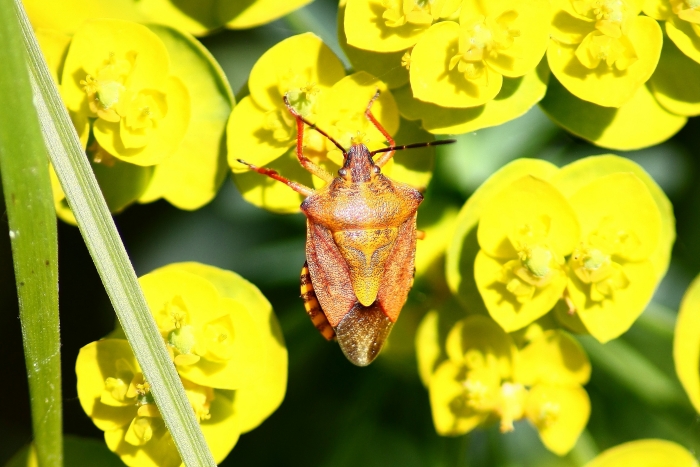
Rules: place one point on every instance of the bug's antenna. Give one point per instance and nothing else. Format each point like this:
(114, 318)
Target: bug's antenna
(313, 126)
(414, 145)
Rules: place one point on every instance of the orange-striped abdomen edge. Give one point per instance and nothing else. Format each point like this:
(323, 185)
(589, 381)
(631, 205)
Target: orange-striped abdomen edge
(313, 308)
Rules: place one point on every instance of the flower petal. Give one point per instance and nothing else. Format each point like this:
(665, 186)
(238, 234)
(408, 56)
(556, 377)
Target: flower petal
(609, 318)
(640, 123)
(528, 201)
(560, 430)
(365, 28)
(299, 60)
(451, 418)
(96, 362)
(553, 358)
(684, 36)
(674, 83)
(510, 314)
(191, 176)
(645, 453)
(686, 343)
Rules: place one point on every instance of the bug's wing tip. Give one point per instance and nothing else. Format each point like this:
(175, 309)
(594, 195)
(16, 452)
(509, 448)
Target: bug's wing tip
(362, 333)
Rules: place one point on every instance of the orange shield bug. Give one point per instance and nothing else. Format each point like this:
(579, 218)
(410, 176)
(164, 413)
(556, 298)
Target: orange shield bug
(360, 243)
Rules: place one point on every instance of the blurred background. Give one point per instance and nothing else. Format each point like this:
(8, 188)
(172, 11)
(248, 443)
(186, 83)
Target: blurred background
(335, 413)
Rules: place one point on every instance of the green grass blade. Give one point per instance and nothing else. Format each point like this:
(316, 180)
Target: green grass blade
(109, 255)
(32, 221)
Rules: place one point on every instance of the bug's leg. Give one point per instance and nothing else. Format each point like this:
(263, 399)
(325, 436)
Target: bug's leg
(305, 162)
(313, 308)
(298, 187)
(384, 158)
(420, 234)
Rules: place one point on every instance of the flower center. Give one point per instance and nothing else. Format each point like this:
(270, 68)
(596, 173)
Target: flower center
(480, 38)
(303, 98)
(399, 12)
(537, 260)
(107, 88)
(549, 413)
(592, 266)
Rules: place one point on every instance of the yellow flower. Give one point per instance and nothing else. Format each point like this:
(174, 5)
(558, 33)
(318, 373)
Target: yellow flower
(602, 51)
(524, 233)
(119, 73)
(627, 232)
(113, 392)
(486, 376)
(682, 23)
(227, 347)
(213, 339)
(645, 453)
(463, 64)
(190, 176)
(262, 131)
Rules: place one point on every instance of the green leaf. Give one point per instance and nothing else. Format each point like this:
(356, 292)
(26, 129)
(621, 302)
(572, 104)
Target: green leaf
(105, 246)
(32, 221)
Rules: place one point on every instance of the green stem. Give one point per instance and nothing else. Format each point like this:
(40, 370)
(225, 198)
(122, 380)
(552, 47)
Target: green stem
(108, 253)
(32, 222)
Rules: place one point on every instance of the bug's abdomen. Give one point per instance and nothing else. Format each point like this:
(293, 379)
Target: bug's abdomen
(312, 306)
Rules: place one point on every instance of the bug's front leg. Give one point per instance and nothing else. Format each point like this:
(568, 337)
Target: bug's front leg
(298, 187)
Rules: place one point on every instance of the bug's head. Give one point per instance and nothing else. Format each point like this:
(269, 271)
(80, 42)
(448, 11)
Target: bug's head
(359, 166)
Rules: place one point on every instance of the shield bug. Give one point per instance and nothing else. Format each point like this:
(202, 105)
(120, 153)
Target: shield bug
(360, 243)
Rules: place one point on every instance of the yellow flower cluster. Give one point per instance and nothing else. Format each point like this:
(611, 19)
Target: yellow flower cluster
(228, 349)
(128, 90)
(474, 63)
(486, 376)
(262, 131)
(590, 241)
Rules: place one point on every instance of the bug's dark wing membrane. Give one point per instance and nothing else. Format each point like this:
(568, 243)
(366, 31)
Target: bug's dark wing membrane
(329, 273)
(398, 271)
(362, 333)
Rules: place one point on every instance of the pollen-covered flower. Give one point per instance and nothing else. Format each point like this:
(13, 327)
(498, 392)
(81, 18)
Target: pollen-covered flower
(118, 73)
(603, 51)
(263, 132)
(463, 64)
(114, 393)
(524, 233)
(486, 377)
(190, 174)
(227, 347)
(626, 235)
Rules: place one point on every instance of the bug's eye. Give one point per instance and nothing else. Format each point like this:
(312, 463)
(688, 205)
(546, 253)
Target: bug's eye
(376, 169)
(342, 172)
